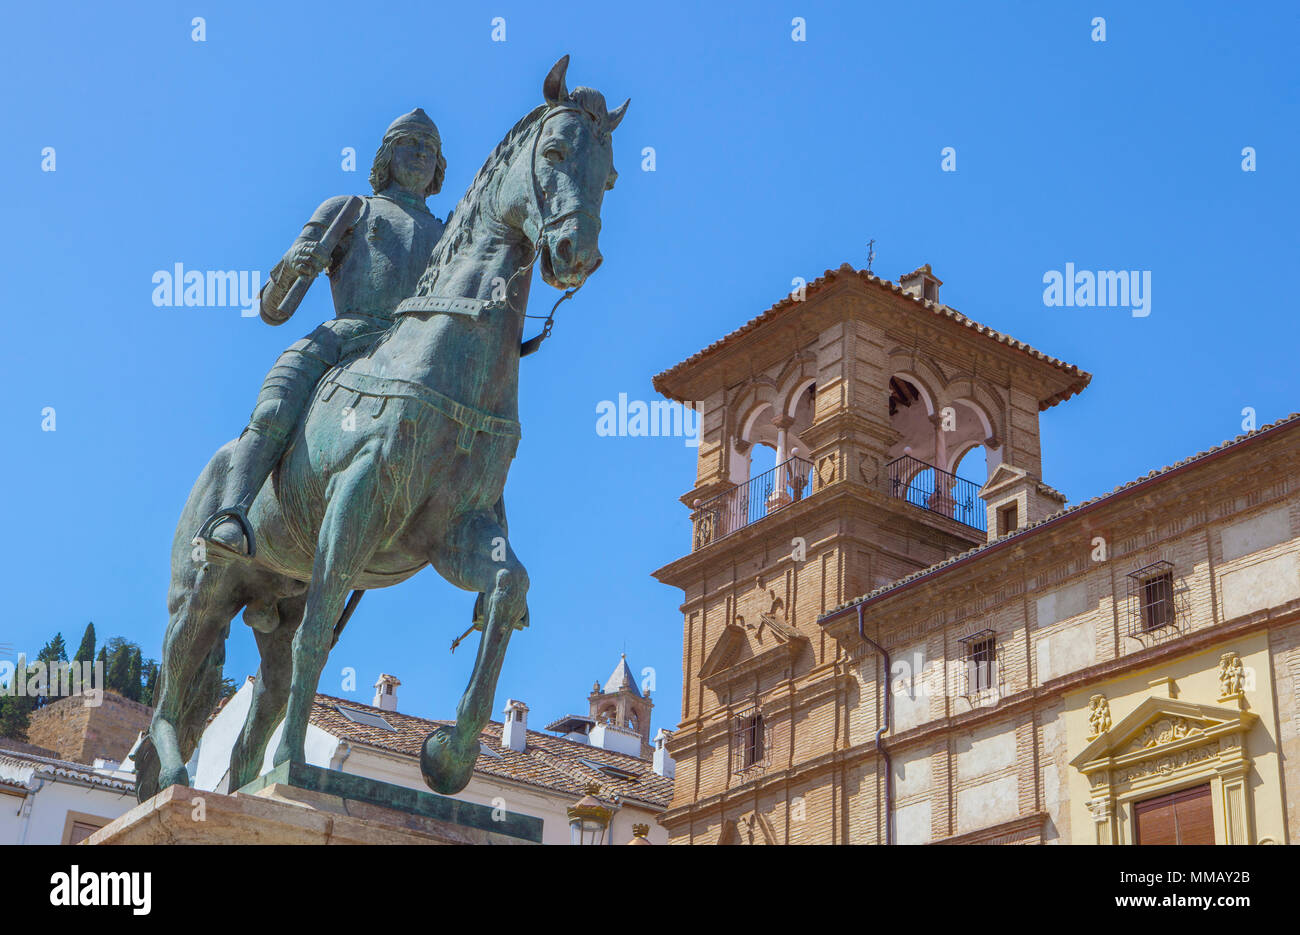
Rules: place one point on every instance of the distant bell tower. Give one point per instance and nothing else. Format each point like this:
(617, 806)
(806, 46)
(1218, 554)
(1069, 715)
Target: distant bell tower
(621, 704)
(835, 429)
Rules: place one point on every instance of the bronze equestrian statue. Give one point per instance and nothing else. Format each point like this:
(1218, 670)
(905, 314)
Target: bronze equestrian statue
(399, 461)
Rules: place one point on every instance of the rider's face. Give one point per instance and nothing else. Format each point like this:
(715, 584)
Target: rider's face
(415, 160)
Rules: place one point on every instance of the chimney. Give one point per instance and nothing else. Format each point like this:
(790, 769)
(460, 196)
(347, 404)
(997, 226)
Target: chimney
(921, 282)
(386, 693)
(514, 733)
(664, 764)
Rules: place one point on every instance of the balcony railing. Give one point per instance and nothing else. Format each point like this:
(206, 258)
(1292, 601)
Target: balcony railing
(751, 501)
(926, 486)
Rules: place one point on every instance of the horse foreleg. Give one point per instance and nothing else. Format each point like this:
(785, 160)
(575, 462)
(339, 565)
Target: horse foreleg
(472, 561)
(350, 532)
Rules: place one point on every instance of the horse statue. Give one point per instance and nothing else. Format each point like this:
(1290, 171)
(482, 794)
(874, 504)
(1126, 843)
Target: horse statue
(399, 462)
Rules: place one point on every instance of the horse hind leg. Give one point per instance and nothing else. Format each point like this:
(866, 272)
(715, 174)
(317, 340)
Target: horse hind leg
(270, 693)
(448, 756)
(193, 650)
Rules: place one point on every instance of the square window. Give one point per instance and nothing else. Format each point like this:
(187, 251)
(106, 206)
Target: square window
(981, 661)
(1158, 601)
(1152, 606)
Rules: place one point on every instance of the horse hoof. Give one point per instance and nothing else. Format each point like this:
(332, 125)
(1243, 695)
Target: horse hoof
(174, 777)
(146, 771)
(446, 769)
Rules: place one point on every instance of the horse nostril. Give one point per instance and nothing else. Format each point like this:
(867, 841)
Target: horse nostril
(564, 250)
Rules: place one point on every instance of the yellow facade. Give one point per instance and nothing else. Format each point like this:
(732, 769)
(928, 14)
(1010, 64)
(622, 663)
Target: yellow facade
(1177, 726)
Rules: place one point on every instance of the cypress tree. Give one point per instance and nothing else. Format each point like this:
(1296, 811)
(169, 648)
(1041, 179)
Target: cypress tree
(150, 682)
(86, 651)
(133, 675)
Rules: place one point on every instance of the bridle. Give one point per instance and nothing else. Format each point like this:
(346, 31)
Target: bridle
(474, 307)
(539, 202)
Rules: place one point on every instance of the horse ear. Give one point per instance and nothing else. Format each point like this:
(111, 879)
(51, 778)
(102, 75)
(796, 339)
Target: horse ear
(616, 115)
(553, 88)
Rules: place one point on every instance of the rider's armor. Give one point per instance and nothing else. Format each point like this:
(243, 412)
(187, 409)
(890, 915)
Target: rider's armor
(376, 265)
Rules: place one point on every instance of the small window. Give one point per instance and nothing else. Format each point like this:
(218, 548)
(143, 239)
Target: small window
(1158, 601)
(750, 739)
(1153, 607)
(614, 772)
(82, 830)
(1008, 519)
(981, 660)
(364, 718)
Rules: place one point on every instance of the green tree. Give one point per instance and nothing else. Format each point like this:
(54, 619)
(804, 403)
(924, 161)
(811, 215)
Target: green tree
(54, 651)
(150, 677)
(117, 673)
(16, 710)
(133, 686)
(228, 687)
(86, 651)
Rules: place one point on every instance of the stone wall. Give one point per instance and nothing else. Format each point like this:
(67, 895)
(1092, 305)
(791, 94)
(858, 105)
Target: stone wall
(81, 731)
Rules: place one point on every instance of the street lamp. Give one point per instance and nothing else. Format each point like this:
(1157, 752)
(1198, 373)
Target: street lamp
(589, 818)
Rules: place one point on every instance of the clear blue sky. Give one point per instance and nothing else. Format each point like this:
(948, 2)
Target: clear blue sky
(775, 159)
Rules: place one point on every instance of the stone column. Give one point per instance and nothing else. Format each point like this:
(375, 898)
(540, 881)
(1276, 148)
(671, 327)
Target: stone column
(780, 495)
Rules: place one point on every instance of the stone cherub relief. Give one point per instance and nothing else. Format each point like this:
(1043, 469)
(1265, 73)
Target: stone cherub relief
(1165, 730)
(1098, 716)
(1232, 676)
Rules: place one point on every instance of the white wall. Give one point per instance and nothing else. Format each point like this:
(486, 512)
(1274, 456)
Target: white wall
(50, 805)
(325, 750)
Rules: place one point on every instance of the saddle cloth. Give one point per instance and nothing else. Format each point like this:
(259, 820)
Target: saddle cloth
(470, 420)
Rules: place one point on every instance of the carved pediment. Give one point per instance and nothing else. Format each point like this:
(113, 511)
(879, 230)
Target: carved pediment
(744, 648)
(750, 828)
(1158, 727)
(1002, 476)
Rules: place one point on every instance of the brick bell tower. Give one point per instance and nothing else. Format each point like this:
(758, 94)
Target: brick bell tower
(870, 393)
(620, 704)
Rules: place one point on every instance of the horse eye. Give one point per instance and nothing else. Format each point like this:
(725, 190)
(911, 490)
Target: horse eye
(554, 154)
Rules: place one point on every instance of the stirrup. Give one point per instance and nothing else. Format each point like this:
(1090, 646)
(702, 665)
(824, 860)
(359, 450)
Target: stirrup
(238, 514)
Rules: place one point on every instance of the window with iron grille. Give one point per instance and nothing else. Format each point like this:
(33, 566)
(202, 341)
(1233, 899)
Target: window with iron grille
(1153, 602)
(981, 650)
(750, 740)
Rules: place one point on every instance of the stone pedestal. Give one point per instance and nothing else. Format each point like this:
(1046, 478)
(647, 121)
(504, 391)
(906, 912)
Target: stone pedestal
(299, 804)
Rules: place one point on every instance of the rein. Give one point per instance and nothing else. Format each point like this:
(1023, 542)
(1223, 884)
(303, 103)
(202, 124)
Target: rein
(431, 303)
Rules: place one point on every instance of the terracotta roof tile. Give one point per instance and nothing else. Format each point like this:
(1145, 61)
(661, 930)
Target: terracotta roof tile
(548, 762)
(1082, 377)
(13, 762)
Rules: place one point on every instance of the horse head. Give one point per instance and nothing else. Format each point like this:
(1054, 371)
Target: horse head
(553, 191)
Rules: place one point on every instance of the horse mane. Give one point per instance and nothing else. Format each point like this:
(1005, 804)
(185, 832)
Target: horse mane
(460, 231)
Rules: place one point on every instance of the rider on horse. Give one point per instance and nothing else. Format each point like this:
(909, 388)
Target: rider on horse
(376, 264)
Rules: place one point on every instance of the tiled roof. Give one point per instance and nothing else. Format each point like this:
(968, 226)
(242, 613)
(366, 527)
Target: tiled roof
(18, 767)
(549, 762)
(1081, 377)
(1289, 422)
